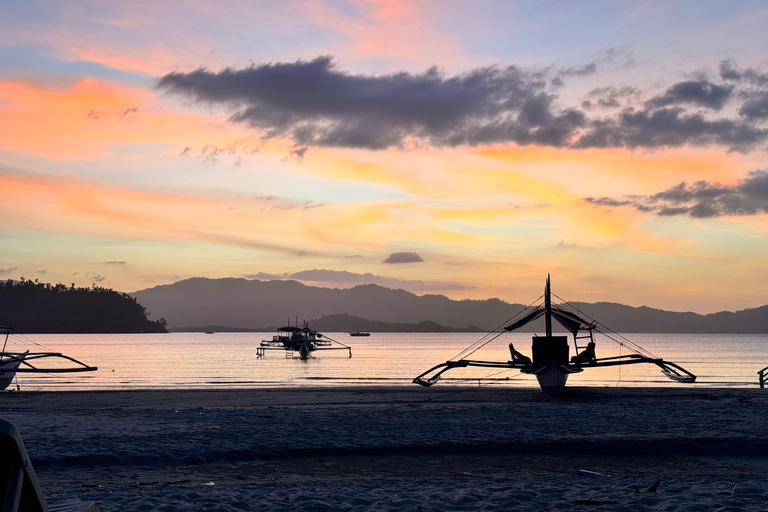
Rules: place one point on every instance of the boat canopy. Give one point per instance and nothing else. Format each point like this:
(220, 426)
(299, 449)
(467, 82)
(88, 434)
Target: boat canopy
(567, 319)
(4, 329)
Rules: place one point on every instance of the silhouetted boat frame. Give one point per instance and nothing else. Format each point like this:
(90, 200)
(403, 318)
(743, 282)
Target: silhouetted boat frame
(763, 376)
(13, 363)
(550, 363)
(301, 340)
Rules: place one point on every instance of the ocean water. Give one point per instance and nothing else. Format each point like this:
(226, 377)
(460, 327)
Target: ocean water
(228, 360)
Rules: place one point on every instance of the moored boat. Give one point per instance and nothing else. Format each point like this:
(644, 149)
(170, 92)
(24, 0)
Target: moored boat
(358, 333)
(13, 363)
(550, 362)
(299, 340)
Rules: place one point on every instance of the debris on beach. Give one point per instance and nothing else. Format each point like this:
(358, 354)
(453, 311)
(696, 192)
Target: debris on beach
(593, 474)
(652, 488)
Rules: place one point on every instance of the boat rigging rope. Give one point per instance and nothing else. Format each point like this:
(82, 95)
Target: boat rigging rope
(495, 333)
(17, 338)
(335, 341)
(608, 332)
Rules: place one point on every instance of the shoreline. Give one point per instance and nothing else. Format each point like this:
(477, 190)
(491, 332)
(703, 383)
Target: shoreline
(344, 447)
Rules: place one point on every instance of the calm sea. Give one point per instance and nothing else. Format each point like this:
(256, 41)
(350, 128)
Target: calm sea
(228, 360)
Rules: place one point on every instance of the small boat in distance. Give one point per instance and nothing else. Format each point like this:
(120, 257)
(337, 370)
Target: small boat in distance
(549, 362)
(13, 363)
(358, 333)
(299, 340)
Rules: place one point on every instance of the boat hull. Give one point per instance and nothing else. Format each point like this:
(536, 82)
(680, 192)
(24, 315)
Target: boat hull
(552, 379)
(7, 372)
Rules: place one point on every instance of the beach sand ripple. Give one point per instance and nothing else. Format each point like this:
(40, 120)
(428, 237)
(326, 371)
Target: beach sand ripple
(399, 448)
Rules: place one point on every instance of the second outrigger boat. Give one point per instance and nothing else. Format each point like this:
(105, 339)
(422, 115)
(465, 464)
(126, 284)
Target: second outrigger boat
(549, 362)
(299, 340)
(13, 363)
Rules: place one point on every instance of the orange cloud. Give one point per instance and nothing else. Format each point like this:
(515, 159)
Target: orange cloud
(614, 171)
(65, 206)
(83, 119)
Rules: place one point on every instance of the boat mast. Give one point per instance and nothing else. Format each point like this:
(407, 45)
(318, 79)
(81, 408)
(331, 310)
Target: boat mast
(548, 309)
(7, 332)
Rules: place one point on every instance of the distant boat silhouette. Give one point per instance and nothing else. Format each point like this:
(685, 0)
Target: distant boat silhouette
(301, 340)
(358, 333)
(549, 362)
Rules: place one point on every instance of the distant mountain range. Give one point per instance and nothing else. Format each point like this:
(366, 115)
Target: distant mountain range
(242, 304)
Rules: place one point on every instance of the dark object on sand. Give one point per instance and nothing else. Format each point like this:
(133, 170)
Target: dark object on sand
(651, 488)
(550, 363)
(20, 488)
(763, 375)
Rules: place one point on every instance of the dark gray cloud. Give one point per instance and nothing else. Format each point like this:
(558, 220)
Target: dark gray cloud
(671, 127)
(701, 199)
(611, 97)
(731, 72)
(118, 263)
(313, 103)
(589, 69)
(700, 92)
(755, 106)
(403, 257)
(129, 111)
(9, 270)
(754, 92)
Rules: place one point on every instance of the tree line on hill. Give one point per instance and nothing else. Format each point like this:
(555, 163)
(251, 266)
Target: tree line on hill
(33, 307)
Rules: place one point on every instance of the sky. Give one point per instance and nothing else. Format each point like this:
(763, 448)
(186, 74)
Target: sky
(459, 148)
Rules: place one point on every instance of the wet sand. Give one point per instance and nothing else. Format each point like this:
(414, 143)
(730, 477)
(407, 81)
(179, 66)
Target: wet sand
(399, 448)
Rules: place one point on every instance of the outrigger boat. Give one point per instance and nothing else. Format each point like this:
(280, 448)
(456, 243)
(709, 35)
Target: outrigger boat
(13, 363)
(549, 362)
(299, 340)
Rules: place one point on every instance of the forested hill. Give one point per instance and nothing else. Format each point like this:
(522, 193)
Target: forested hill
(253, 304)
(32, 307)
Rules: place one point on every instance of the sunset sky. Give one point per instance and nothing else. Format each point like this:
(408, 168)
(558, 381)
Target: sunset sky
(458, 148)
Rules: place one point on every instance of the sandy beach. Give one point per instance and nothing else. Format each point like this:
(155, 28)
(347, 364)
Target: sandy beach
(399, 448)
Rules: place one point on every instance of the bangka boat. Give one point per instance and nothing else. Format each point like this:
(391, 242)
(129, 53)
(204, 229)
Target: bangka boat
(358, 333)
(13, 363)
(299, 340)
(549, 362)
(762, 376)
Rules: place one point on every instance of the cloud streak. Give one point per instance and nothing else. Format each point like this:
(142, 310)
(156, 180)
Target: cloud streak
(701, 199)
(346, 279)
(315, 104)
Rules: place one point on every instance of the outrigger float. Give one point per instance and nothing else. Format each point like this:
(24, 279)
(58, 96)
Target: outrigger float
(13, 363)
(550, 363)
(301, 341)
